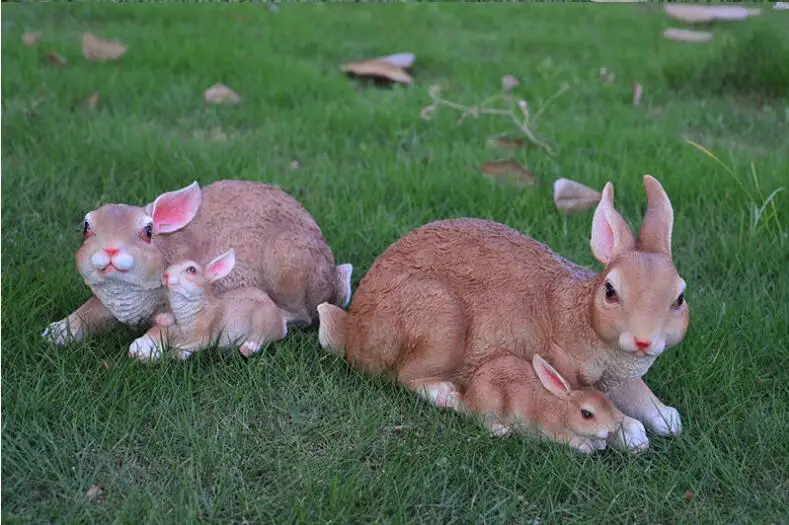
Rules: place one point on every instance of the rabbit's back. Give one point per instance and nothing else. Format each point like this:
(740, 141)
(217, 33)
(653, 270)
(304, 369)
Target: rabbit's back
(279, 246)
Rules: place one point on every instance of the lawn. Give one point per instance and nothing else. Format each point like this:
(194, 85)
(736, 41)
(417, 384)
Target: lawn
(294, 435)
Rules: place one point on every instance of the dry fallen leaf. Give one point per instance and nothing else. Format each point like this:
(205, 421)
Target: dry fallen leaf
(56, 59)
(98, 50)
(105, 365)
(570, 196)
(637, 91)
(687, 35)
(31, 38)
(508, 82)
(94, 493)
(91, 102)
(508, 143)
(379, 69)
(401, 60)
(698, 14)
(220, 94)
(689, 496)
(508, 171)
(295, 165)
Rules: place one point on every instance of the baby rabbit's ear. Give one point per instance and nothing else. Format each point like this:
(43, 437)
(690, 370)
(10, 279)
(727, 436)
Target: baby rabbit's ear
(611, 235)
(221, 266)
(550, 378)
(655, 234)
(173, 210)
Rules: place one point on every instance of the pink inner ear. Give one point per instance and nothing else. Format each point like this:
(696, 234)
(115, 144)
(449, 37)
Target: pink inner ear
(602, 236)
(221, 266)
(556, 380)
(174, 210)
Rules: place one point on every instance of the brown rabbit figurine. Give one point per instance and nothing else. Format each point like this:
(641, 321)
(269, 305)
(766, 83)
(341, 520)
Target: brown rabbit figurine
(200, 318)
(279, 249)
(441, 302)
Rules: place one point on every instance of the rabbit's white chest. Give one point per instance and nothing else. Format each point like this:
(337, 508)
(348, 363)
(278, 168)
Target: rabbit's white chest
(624, 368)
(129, 304)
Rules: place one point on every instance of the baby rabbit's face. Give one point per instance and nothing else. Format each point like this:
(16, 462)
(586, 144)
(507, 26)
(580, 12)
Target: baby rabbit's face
(185, 279)
(592, 415)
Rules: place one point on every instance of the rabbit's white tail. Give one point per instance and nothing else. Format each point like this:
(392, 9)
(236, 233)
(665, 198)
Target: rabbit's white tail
(331, 329)
(343, 295)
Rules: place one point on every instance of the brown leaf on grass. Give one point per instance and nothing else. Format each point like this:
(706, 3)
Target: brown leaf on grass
(221, 94)
(31, 38)
(55, 59)
(94, 494)
(91, 102)
(508, 83)
(689, 496)
(295, 165)
(503, 171)
(637, 92)
(570, 196)
(401, 60)
(378, 69)
(508, 143)
(105, 365)
(698, 14)
(99, 50)
(686, 35)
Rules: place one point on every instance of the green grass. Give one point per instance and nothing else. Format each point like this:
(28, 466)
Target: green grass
(294, 435)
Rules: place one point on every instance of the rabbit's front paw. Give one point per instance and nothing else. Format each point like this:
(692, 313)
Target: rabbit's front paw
(164, 319)
(665, 422)
(249, 348)
(631, 435)
(145, 349)
(61, 334)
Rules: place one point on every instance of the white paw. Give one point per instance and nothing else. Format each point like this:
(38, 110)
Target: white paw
(442, 395)
(249, 348)
(183, 355)
(60, 334)
(665, 422)
(165, 319)
(586, 447)
(499, 430)
(145, 349)
(631, 435)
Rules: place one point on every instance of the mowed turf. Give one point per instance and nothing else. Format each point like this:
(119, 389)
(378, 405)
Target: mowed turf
(294, 435)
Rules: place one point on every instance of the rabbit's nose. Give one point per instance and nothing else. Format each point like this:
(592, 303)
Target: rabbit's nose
(111, 251)
(642, 344)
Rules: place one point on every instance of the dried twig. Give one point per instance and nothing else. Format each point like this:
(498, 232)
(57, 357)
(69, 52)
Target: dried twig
(516, 109)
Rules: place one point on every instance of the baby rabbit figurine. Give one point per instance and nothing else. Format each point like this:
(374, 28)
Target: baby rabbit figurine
(201, 318)
(509, 393)
(440, 303)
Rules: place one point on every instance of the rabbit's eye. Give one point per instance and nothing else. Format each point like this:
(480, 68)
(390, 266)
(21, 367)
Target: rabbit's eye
(191, 269)
(148, 231)
(86, 229)
(586, 414)
(680, 301)
(610, 294)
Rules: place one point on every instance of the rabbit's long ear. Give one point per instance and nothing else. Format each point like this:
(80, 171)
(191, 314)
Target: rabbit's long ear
(221, 266)
(173, 210)
(655, 234)
(550, 378)
(610, 233)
